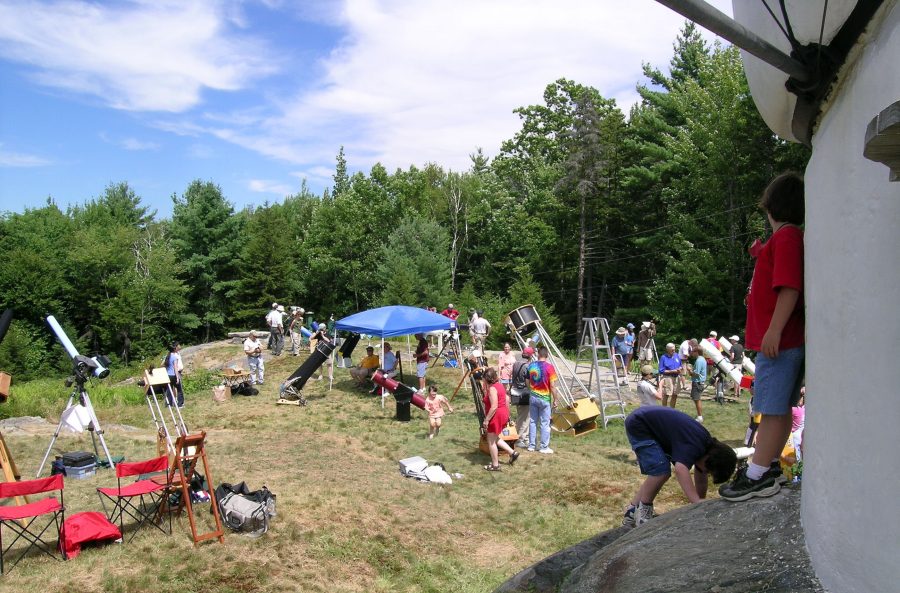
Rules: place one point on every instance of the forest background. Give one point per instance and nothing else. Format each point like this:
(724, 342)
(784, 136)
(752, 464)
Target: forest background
(584, 212)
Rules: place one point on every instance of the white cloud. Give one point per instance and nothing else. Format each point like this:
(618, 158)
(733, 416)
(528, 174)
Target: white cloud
(320, 175)
(143, 55)
(135, 144)
(411, 81)
(416, 81)
(265, 186)
(20, 159)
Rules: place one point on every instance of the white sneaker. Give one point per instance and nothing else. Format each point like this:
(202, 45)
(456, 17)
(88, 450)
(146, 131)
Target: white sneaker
(700, 419)
(531, 449)
(642, 514)
(546, 450)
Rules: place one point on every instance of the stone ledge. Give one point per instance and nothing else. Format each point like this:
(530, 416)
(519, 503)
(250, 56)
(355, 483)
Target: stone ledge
(714, 546)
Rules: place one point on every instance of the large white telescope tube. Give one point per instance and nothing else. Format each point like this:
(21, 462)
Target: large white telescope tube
(747, 364)
(723, 365)
(100, 371)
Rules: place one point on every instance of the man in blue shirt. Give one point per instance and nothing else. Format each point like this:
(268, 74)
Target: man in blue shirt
(661, 438)
(669, 371)
(621, 354)
(698, 380)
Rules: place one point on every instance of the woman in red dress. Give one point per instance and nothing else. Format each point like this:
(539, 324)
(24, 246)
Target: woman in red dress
(496, 417)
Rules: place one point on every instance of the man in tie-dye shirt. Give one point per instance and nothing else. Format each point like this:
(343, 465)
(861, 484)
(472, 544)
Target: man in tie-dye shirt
(542, 380)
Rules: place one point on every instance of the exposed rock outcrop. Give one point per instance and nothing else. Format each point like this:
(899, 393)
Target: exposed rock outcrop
(715, 546)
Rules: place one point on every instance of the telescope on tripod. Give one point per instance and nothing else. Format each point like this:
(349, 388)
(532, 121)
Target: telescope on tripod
(79, 416)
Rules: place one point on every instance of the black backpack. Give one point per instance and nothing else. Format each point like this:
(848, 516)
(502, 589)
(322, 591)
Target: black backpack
(519, 394)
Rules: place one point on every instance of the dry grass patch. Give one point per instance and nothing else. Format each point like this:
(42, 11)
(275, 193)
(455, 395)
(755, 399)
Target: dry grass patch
(347, 521)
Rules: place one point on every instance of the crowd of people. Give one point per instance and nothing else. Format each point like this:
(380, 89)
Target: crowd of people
(664, 440)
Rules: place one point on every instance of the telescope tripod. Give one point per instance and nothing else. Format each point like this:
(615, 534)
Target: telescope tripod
(453, 347)
(94, 426)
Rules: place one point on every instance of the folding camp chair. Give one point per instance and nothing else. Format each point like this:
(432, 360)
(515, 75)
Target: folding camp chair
(140, 500)
(23, 519)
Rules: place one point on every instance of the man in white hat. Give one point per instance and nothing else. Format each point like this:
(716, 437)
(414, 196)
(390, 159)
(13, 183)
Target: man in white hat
(621, 348)
(736, 355)
(253, 350)
(450, 312)
(644, 345)
(294, 329)
(275, 323)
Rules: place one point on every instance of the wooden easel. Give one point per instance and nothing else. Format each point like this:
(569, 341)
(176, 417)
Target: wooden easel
(189, 449)
(10, 471)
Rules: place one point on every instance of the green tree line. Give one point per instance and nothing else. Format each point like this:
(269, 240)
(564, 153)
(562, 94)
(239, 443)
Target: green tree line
(584, 212)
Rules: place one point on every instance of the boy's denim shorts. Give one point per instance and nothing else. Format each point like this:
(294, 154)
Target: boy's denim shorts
(776, 387)
(651, 458)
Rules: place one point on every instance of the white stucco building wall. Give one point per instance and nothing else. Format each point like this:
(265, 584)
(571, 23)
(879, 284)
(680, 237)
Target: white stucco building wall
(851, 475)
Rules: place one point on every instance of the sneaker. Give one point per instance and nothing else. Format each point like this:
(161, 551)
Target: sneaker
(643, 513)
(628, 518)
(743, 488)
(700, 419)
(776, 472)
(522, 444)
(531, 449)
(546, 451)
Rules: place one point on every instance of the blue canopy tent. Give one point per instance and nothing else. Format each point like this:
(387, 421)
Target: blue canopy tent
(394, 320)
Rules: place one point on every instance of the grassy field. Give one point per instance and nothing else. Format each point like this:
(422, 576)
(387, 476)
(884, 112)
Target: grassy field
(347, 520)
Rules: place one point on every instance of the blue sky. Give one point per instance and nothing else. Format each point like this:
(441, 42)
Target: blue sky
(259, 95)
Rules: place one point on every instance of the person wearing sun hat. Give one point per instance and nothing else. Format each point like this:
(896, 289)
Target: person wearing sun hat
(645, 336)
(620, 347)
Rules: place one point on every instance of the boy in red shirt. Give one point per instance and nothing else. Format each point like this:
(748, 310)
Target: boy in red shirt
(775, 329)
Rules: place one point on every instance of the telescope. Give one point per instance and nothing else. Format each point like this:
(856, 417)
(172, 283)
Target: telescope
(97, 366)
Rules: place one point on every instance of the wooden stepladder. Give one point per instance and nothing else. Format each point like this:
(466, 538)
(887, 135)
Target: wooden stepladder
(189, 451)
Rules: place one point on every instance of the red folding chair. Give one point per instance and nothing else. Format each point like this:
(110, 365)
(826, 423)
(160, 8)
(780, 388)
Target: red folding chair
(24, 520)
(140, 500)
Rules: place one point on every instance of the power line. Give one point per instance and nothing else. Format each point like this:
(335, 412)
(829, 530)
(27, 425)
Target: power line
(659, 228)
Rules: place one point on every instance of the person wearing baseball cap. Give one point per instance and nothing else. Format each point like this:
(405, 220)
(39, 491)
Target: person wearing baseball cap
(648, 393)
(520, 395)
(630, 340)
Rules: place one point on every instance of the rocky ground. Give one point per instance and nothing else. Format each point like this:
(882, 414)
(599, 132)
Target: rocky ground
(715, 546)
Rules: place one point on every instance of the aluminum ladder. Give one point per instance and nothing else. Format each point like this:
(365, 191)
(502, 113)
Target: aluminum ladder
(595, 368)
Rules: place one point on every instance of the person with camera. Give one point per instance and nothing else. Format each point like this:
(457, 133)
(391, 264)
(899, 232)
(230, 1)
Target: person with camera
(644, 339)
(253, 350)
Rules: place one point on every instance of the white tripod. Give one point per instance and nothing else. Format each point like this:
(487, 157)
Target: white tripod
(92, 424)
